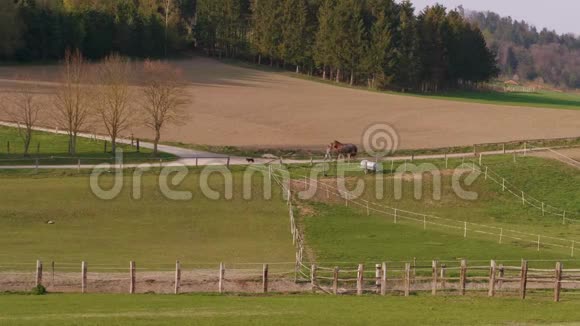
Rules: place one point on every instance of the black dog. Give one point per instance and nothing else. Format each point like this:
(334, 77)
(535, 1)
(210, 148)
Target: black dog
(250, 160)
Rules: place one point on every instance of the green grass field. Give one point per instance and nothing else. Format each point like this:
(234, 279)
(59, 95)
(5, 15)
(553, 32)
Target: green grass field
(153, 230)
(345, 234)
(53, 149)
(540, 99)
(280, 310)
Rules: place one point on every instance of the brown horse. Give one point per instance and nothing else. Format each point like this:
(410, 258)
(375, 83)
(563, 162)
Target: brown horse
(348, 150)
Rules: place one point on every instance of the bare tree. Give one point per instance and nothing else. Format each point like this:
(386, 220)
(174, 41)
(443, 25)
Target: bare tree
(23, 108)
(164, 97)
(115, 105)
(73, 99)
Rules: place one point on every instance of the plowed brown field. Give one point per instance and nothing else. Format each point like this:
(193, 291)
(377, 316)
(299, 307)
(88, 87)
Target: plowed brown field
(243, 107)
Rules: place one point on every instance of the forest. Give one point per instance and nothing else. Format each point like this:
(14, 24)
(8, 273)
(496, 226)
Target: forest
(526, 54)
(380, 43)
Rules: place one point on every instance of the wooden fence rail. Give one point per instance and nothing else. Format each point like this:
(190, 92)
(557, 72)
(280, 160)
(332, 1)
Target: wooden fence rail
(442, 278)
(382, 279)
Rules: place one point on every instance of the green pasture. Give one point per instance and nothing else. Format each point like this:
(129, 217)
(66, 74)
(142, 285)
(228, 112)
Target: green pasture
(152, 231)
(338, 233)
(67, 309)
(52, 149)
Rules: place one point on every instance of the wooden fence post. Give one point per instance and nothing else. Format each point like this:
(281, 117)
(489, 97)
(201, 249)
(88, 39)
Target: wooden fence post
(523, 279)
(359, 279)
(177, 276)
(501, 275)
(463, 277)
(384, 279)
(335, 281)
(52, 273)
(265, 278)
(434, 282)
(221, 275)
(407, 279)
(132, 277)
(557, 282)
(83, 277)
(378, 277)
(443, 275)
(313, 278)
(492, 272)
(434, 275)
(38, 273)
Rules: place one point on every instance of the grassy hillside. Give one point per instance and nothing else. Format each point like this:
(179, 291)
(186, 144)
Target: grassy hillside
(339, 233)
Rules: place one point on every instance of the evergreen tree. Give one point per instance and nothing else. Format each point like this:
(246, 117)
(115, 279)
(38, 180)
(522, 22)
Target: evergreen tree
(293, 43)
(10, 29)
(266, 27)
(432, 30)
(349, 29)
(324, 43)
(407, 63)
(380, 53)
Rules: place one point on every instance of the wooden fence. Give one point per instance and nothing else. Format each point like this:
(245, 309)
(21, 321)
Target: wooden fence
(387, 278)
(439, 278)
(183, 278)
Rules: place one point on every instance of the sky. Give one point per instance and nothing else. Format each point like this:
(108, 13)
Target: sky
(559, 15)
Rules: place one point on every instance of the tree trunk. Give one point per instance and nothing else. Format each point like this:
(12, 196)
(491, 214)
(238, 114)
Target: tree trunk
(324, 73)
(351, 77)
(114, 144)
(73, 143)
(297, 69)
(259, 59)
(338, 75)
(27, 139)
(156, 142)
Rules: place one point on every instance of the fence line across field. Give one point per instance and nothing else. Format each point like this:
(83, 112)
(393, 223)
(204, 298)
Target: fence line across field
(385, 278)
(467, 227)
(437, 277)
(525, 198)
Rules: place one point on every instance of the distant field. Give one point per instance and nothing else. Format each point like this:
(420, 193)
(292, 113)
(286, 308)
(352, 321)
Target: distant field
(281, 310)
(150, 231)
(251, 108)
(46, 145)
(541, 99)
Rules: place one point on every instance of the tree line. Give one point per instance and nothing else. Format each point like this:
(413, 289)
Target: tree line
(528, 54)
(33, 30)
(110, 96)
(379, 43)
